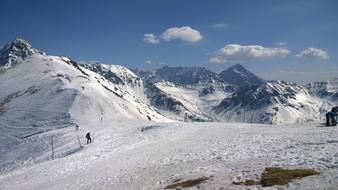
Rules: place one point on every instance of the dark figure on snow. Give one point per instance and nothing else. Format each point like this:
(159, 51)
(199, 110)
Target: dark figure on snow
(331, 117)
(76, 127)
(89, 140)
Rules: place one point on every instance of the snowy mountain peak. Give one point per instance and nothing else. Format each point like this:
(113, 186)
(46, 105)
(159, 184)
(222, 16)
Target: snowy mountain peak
(21, 42)
(240, 76)
(15, 52)
(238, 67)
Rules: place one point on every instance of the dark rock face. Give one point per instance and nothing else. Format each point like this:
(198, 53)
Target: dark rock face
(97, 68)
(235, 75)
(180, 75)
(324, 89)
(16, 51)
(162, 100)
(104, 71)
(256, 97)
(239, 76)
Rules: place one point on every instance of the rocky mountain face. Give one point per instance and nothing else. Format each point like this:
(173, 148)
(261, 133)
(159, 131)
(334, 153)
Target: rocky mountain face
(114, 73)
(180, 75)
(238, 95)
(15, 52)
(272, 102)
(240, 76)
(324, 89)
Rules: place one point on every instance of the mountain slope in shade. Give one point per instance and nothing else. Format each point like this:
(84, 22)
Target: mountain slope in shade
(180, 75)
(272, 102)
(197, 100)
(324, 89)
(240, 76)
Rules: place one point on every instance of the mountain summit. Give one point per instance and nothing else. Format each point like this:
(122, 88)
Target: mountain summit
(240, 76)
(15, 52)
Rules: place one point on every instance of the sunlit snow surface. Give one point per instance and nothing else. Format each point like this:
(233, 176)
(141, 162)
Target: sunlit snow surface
(45, 93)
(123, 157)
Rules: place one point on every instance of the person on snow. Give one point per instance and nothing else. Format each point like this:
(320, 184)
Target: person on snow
(89, 140)
(332, 115)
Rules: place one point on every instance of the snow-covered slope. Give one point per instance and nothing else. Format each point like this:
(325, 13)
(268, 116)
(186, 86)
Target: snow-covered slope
(120, 76)
(114, 73)
(42, 93)
(190, 102)
(123, 157)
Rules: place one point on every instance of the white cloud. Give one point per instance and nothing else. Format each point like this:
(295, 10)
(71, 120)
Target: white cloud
(220, 25)
(151, 38)
(239, 53)
(185, 33)
(312, 52)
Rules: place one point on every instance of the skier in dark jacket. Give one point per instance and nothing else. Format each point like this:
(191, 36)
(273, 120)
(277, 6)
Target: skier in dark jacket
(89, 140)
(332, 115)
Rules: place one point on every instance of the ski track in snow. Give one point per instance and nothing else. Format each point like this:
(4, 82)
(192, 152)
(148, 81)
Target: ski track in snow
(123, 157)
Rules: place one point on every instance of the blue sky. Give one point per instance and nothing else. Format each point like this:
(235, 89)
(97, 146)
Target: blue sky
(268, 35)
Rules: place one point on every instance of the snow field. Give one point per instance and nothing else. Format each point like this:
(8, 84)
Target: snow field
(123, 157)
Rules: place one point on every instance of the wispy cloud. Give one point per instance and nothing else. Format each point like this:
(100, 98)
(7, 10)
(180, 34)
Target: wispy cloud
(220, 25)
(239, 53)
(312, 52)
(184, 33)
(150, 38)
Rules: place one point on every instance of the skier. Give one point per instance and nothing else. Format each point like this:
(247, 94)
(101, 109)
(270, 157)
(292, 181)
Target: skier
(89, 140)
(332, 115)
(76, 127)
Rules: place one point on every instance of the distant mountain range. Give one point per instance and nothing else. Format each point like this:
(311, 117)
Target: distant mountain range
(165, 94)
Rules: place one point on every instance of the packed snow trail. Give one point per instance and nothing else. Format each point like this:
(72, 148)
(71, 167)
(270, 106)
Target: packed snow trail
(123, 157)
